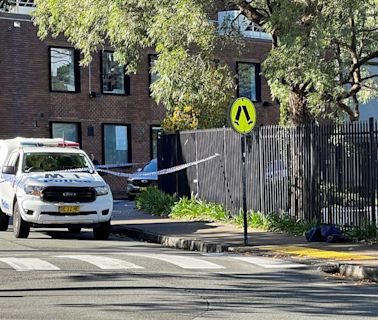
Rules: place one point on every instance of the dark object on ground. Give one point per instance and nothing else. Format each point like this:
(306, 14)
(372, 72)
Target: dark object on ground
(325, 233)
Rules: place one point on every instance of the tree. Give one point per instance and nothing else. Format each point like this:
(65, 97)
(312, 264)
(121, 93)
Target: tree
(316, 68)
(178, 30)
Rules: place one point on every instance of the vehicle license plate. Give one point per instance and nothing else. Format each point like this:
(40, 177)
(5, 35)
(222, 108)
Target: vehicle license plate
(143, 188)
(69, 209)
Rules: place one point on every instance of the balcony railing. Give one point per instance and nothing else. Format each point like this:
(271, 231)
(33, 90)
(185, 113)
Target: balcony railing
(232, 22)
(17, 6)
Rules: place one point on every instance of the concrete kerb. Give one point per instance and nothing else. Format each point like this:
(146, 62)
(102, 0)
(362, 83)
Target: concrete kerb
(171, 241)
(357, 272)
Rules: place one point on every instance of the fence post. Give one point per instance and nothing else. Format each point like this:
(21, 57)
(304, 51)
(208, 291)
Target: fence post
(197, 179)
(177, 138)
(372, 169)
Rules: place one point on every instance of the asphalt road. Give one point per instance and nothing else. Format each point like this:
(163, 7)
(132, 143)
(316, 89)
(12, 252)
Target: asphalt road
(59, 275)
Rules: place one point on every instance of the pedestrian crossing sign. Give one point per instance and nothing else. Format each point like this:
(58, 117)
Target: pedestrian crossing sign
(242, 115)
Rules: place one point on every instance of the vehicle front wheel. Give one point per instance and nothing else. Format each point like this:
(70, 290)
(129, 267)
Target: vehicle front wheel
(21, 228)
(4, 221)
(102, 231)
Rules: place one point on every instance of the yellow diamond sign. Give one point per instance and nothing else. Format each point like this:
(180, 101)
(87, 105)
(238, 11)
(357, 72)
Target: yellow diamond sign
(242, 115)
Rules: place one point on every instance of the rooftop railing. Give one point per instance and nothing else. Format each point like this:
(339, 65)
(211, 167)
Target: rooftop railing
(17, 6)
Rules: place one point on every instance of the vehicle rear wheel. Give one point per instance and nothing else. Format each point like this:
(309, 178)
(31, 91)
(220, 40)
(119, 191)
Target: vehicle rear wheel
(74, 229)
(4, 221)
(21, 228)
(102, 231)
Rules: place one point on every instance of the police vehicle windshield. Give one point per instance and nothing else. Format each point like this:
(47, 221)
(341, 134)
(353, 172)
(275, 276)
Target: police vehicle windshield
(42, 162)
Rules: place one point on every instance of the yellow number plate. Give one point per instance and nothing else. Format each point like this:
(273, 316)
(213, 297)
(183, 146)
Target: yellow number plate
(69, 209)
(142, 188)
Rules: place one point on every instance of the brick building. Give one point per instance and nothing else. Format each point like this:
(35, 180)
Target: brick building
(44, 92)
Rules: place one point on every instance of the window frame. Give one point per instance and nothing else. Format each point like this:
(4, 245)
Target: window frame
(126, 78)
(150, 57)
(128, 130)
(78, 124)
(76, 69)
(257, 79)
(152, 126)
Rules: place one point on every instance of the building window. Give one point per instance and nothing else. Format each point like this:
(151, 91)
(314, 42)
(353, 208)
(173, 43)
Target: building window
(154, 132)
(249, 81)
(114, 80)
(66, 130)
(116, 142)
(151, 62)
(64, 70)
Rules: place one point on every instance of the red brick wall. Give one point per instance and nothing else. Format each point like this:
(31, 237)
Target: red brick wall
(27, 106)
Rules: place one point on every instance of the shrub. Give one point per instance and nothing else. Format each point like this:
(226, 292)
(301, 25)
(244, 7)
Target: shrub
(155, 201)
(275, 222)
(196, 209)
(367, 231)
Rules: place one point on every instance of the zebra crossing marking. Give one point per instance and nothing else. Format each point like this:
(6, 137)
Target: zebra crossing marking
(108, 263)
(104, 263)
(270, 263)
(180, 261)
(29, 264)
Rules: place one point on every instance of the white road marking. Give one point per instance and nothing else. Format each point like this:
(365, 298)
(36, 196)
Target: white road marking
(180, 261)
(28, 264)
(269, 263)
(103, 262)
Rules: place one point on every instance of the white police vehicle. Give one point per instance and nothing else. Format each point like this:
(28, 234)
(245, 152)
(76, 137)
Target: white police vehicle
(51, 183)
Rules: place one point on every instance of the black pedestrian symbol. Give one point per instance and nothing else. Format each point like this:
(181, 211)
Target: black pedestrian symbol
(238, 113)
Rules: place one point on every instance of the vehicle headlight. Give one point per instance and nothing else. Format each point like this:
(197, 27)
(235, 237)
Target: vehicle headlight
(101, 191)
(34, 190)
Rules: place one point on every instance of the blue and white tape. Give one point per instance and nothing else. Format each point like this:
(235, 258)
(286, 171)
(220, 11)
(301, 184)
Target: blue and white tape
(18, 181)
(160, 172)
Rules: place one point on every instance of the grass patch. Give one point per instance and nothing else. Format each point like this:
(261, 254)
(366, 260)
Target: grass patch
(196, 209)
(275, 222)
(155, 201)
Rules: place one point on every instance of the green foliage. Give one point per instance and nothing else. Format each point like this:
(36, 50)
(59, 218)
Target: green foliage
(288, 224)
(196, 209)
(155, 201)
(316, 67)
(178, 30)
(185, 118)
(367, 231)
(275, 222)
(321, 53)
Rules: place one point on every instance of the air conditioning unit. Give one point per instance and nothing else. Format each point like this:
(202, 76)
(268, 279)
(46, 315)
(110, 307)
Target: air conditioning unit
(232, 22)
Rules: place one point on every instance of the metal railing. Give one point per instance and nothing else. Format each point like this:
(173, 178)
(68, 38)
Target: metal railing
(17, 6)
(327, 172)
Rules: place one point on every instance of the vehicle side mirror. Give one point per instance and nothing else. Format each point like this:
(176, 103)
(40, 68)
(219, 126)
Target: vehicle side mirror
(139, 169)
(9, 170)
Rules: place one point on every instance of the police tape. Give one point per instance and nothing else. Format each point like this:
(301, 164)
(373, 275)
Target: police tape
(18, 181)
(159, 172)
(119, 165)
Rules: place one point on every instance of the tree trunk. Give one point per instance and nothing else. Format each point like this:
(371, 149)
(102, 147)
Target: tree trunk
(298, 108)
(301, 162)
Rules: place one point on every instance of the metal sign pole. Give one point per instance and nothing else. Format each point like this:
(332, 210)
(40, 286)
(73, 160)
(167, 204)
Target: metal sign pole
(242, 118)
(244, 186)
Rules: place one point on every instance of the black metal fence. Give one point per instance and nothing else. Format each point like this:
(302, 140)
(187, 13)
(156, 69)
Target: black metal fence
(326, 172)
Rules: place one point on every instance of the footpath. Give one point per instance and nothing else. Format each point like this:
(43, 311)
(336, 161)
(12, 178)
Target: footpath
(356, 260)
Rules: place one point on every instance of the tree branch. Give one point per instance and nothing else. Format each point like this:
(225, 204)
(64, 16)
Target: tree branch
(364, 60)
(369, 77)
(352, 115)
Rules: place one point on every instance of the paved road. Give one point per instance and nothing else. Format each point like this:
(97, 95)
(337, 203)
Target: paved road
(58, 275)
